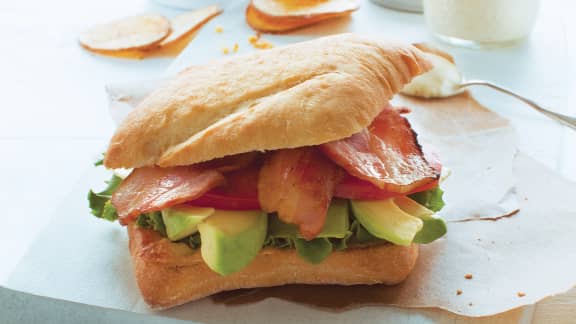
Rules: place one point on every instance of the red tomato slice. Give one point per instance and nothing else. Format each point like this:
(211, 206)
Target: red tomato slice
(220, 199)
(239, 193)
(354, 188)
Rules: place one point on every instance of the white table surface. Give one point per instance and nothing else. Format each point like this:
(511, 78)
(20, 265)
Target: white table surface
(55, 123)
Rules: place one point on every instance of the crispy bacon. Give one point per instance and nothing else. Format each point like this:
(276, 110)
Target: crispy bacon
(298, 184)
(351, 187)
(387, 154)
(239, 193)
(152, 188)
(232, 162)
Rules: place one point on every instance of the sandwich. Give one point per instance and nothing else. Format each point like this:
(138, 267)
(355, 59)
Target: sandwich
(279, 167)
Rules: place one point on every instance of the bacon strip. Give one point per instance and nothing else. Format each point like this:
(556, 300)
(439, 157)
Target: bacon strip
(152, 189)
(232, 162)
(298, 184)
(351, 187)
(387, 154)
(239, 193)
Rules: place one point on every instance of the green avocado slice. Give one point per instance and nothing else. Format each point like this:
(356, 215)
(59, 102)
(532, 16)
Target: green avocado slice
(385, 220)
(183, 220)
(232, 239)
(433, 227)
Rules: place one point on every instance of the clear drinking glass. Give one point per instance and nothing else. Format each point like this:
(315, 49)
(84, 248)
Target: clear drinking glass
(403, 5)
(481, 23)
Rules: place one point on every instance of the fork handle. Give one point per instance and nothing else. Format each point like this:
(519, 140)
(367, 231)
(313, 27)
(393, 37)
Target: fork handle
(562, 119)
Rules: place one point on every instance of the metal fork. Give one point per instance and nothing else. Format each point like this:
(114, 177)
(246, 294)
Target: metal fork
(560, 118)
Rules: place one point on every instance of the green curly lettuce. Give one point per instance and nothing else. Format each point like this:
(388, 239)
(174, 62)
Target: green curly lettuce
(431, 199)
(99, 202)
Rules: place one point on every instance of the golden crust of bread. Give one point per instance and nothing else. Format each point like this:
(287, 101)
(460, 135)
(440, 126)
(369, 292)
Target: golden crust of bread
(303, 94)
(170, 274)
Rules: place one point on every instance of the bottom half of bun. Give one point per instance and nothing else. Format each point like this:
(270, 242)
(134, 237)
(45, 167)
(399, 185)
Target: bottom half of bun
(169, 274)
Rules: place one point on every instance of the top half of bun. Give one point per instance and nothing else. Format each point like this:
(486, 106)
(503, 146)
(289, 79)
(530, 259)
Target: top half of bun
(303, 94)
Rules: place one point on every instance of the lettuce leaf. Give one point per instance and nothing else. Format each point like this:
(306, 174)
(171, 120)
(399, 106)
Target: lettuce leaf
(109, 212)
(431, 199)
(313, 251)
(152, 221)
(100, 161)
(193, 241)
(339, 244)
(279, 242)
(99, 202)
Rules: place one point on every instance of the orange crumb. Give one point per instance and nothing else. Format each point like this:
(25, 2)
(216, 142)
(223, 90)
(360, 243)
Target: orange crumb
(219, 29)
(458, 292)
(468, 276)
(262, 44)
(225, 50)
(235, 48)
(521, 294)
(253, 39)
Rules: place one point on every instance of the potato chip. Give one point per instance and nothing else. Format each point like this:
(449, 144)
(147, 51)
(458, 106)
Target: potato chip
(304, 8)
(138, 32)
(184, 24)
(274, 24)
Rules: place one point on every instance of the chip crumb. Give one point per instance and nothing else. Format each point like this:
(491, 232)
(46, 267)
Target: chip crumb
(262, 44)
(468, 276)
(521, 294)
(225, 50)
(219, 29)
(253, 39)
(235, 48)
(459, 292)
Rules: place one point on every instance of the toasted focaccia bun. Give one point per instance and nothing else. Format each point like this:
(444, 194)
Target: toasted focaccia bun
(304, 94)
(169, 274)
